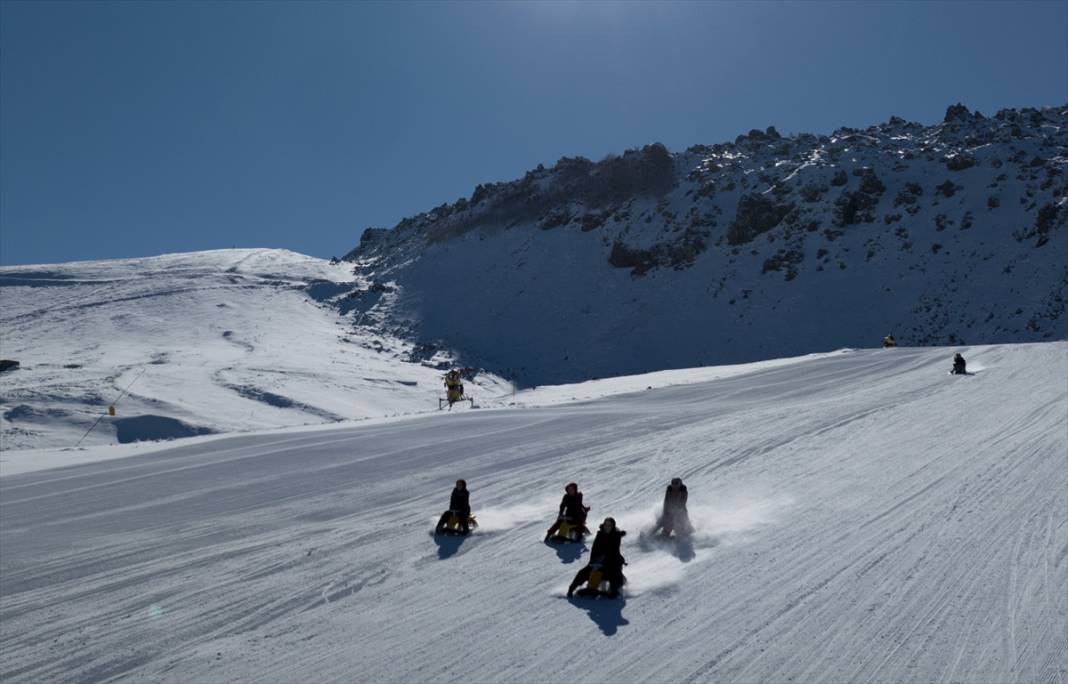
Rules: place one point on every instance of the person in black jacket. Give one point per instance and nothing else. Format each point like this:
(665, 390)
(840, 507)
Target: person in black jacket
(459, 504)
(606, 553)
(571, 507)
(675, 517)
(960, 366)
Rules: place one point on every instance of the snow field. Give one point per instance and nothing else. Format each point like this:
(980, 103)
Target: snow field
(861, 517)
(219, 341)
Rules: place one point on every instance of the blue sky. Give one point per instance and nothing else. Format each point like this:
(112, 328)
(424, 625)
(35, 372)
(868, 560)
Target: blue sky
(139, 128)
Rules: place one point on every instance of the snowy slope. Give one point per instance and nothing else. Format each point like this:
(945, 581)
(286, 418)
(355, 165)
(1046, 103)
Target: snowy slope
(765, 247)
(861, 516)
(212, 342)
(18, 461)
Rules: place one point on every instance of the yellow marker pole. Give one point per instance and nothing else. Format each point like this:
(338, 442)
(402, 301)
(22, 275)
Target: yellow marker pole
(111, 408)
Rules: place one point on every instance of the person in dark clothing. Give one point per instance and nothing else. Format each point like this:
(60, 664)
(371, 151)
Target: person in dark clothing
(606, 554)
(960, 366)
(571, 509)
(675, 516)
(460, 505)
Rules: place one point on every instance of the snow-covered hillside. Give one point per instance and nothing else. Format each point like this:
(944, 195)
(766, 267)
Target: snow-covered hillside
(862, 516)
(211, 342)
(766, 247)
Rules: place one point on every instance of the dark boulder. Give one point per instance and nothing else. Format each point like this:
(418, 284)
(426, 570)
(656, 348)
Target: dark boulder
(959, 162)
(947, 189)
(756, 214)
(859, 206)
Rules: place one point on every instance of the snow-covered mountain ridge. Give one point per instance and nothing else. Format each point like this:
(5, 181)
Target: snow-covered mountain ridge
(764, 247)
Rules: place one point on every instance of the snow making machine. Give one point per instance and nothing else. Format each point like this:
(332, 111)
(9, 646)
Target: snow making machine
(454, 391)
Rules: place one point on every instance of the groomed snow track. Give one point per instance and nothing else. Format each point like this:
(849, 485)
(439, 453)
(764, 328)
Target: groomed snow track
(862, 518)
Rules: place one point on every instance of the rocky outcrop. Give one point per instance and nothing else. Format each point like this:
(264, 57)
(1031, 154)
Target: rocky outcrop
(755, 215)
(875, 227)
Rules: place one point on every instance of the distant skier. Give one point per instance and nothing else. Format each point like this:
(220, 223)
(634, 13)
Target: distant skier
(675, 517)
(960, 366)
(889, 341)
(460, 505)
(572, 509)
(605, 554)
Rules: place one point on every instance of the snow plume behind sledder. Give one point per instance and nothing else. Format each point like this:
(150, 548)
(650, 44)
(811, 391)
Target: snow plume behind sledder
(507, 517)
(733, 518)
(766, 247)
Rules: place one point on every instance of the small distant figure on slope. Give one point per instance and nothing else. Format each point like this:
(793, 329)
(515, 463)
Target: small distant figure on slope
(675, 518)
(960, 366)
(888, 342)
(604, 574)
(570, 523)
(458, 518)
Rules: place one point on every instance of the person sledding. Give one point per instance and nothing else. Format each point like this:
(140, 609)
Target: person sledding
(458, 518)
(603, 575)
(960, 366)
(570, 524)
(675, 518)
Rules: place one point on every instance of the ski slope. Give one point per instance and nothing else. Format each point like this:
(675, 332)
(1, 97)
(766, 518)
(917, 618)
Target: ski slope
(861, 516)
(199, 343)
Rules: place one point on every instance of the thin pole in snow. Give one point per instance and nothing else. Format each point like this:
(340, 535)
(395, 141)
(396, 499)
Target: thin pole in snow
(121, 395)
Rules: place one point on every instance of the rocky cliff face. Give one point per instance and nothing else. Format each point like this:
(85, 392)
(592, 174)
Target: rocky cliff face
(765, 246)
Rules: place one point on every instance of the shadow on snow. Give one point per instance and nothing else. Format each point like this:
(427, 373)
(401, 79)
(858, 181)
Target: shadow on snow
(568, 552)
(684, 550)
(448, 544)
(606, 613)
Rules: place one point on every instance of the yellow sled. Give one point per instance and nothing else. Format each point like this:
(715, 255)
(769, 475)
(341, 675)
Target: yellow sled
(568, 531)
(452, 526)
(597, 585)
